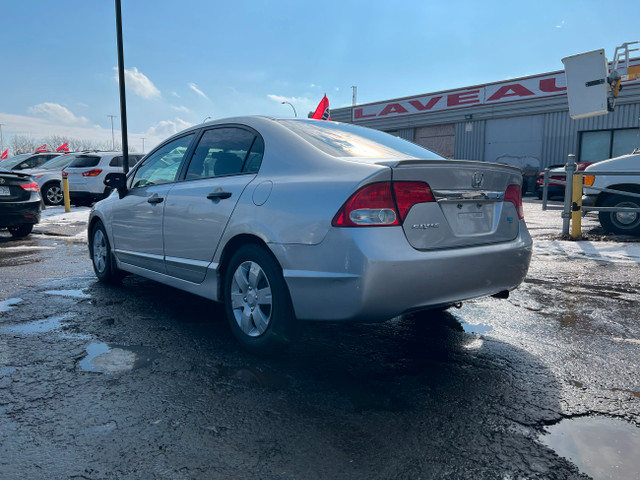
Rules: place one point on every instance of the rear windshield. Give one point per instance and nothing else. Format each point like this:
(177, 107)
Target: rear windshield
(59, 162)
(119, 160)
(345, 140)
(84, 161)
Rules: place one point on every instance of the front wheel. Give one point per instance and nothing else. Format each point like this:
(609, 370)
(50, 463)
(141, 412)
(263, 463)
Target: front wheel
(621, 223)
(101, 256)
(257, 301)
(21, 230)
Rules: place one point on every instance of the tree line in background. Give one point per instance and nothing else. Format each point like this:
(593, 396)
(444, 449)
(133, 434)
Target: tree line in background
(23, 144)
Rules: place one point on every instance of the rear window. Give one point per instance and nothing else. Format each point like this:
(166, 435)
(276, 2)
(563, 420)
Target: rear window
(119, 160)
(84, 161)
(345, 140)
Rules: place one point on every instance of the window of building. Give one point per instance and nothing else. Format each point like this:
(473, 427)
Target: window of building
(602, 144)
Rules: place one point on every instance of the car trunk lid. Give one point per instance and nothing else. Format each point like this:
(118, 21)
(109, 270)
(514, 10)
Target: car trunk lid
(469, 208)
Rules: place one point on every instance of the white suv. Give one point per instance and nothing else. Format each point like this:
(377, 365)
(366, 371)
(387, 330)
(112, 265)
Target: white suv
(86, 174)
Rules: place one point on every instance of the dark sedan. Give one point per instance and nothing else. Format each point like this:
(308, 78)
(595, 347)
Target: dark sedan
(20, 202)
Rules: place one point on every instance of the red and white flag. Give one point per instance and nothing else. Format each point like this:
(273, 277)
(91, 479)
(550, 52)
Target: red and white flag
(41, 148)
(4, 155)
(322, 112)
(63, 148)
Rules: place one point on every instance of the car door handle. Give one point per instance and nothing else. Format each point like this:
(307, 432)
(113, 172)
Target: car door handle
(221, 195)
(155, 199)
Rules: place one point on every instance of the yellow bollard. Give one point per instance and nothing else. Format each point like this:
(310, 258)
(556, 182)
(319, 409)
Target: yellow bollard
(576, 210)
(65, 193)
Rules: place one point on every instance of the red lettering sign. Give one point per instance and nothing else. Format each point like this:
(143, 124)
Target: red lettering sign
(549, 85)
(427, 106)
(358, 115)
(513, 90)
(464, 98)
(393, 108)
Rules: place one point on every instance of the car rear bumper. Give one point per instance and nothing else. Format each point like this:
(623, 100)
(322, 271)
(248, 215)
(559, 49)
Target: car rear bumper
(372, 275)
(15, 214)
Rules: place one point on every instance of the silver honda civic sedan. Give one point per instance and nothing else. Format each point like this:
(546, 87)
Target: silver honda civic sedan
(296, 219)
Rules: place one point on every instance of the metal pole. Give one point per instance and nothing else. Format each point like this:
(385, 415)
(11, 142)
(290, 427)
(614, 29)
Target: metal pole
(355, 94)
(1, 139)
(576, 207)
(123, 99)
(568, 193)
(113, 138)
(142, 144)
(294, 108)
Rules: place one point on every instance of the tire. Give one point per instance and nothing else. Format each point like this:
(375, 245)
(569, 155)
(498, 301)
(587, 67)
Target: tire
(257, 302)
(52, 194)
(620, 223)
(102, 256)
(21, 230)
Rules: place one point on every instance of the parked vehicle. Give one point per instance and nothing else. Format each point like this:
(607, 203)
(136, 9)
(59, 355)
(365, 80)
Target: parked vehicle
(556, 189)
(19, 202)
(86, 174)
(621, 223)
(298, 219)
(49, 178)
(25, 161)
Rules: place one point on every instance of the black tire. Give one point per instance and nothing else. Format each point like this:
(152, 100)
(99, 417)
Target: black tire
(620, 223)
(102, 257)
(264, 324)
(21, 230)
(52, 194)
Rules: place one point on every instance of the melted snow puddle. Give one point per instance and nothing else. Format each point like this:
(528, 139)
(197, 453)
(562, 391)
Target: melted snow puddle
(108, 358)
(9, 304)
(39, 326)
(603, 448)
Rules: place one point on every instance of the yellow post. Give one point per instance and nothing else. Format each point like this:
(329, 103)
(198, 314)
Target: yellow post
(576, 210)
(65, 193)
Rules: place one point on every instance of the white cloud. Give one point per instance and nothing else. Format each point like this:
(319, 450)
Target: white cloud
(139, 83)
(195, 88)
(294, 100)
(56, 113)
(180, 108)
(167, 128)
(175, 94)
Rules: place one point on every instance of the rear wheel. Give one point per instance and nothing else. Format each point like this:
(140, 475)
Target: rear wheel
(257, 301)
(102, 257)
(21, 230)
(621, 223)
(52, 194)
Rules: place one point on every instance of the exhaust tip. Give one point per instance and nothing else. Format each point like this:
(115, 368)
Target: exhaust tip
(503, 294)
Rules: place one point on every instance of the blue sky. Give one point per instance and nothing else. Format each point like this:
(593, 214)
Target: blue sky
(194, 59)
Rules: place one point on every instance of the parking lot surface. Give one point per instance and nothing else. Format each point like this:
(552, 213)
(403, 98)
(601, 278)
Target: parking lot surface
(143, 381)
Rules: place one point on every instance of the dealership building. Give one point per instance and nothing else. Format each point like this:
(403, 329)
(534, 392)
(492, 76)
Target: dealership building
(523, 122)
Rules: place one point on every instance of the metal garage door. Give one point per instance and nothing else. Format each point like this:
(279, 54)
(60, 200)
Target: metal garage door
(438, 138)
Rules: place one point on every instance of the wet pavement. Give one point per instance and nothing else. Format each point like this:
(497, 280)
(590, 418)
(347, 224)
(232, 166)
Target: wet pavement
(143, 381)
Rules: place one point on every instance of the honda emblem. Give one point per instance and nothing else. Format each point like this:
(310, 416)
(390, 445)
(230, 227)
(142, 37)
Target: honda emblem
(476, 181)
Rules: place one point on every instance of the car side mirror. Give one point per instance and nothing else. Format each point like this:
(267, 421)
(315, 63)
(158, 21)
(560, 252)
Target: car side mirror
(118, 181)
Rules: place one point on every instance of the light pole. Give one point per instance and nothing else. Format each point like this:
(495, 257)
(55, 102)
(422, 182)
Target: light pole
(205, 119)
(355, 94)
(1, 139)
(123, 97)
(143, 145)
(294, 108)
(113, 138)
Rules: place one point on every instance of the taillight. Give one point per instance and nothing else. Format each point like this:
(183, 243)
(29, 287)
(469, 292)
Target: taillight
(381, 204)
(92, 173)
(64, 174)
(31, 187)
(513, 194)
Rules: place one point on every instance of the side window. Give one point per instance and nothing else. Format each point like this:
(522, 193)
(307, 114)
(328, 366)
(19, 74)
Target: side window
(116, 161)
(163, 165)
(222, 151)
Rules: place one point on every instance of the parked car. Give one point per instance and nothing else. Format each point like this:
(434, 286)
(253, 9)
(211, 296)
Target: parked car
(19, 202)
(49, 178)
(86, 174)
(555, 189)
(25, 161)
(621, 223)
(298, 219)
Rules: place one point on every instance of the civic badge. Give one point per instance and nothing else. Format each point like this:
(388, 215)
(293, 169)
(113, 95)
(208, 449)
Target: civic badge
(477, 179)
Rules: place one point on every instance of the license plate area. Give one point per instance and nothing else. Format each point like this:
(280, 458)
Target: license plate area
(469, 217)
(4, 191)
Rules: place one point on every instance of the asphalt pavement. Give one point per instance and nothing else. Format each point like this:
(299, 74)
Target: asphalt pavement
(142, 381)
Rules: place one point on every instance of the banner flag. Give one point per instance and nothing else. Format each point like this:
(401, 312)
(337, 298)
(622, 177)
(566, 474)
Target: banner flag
(322, 112)
(63, 148)
(41, 148)
(4, 155)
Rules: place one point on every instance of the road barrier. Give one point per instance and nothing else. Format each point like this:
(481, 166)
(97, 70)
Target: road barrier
(65, 194)
(573, 210)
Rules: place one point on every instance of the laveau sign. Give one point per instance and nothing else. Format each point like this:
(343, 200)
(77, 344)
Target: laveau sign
(520, 89)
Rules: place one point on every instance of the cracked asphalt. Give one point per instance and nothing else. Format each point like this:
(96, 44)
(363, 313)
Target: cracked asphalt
(142, 381)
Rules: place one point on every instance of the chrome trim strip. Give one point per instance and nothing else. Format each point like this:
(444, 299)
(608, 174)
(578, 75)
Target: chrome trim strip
(467, 195)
